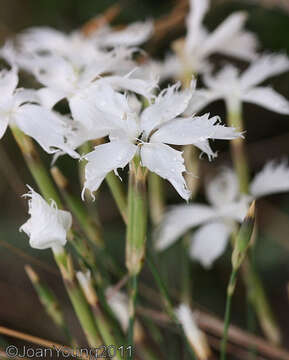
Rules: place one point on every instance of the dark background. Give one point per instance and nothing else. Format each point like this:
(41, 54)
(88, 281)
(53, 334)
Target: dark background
(267, 137)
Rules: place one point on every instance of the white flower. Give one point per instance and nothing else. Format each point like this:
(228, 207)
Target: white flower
(79, 48)
(47, 226)
(236, 88)
(76, 47)
(47, 127)
(217, 221)
(228, 38)
(147, 134)
(195, 336)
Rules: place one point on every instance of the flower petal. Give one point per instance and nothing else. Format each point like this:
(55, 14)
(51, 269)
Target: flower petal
(242, 46)
(8, 82)
(105, 158)
(267, 98)
(170, 103)
(47, 226)
(223, 189)
(48, 128)
(194, 21)
(168, 163)
(4, 121)
(185, 131)
(266, 66)
(224, 34)
(209, 242)
(178, 220)
(132, 35)
(273, 178)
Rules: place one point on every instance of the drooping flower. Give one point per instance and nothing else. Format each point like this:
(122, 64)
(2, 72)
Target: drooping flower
(47, 226)
(217, 221)
(18, 107)
(228, 38)
(147, 135)
(195, 336)
(236, 88)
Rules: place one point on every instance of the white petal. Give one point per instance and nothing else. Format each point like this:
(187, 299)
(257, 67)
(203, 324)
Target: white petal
(266, 66)
(195, 336)
(209, 242)
(242, 46)
(105, 158)
(168, 163)
(55, 72)
(4, 121)
(223, 188)
(185, 131)
(49, 97)
(273, 178)
(42, 38)
(8, 82)
(47, 226)
(200, 99)
(48, 128)
(118, 302)
(132, 35)
(139, 86)
(224, 33)
(224, 81)
(267, 98)
(177, 221)
(198, 9)
(170, 103)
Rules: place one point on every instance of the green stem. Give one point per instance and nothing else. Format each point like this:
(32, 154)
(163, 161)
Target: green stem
(36, 167)
(132, 302)
(230, 292)
(77, 298)
(76, 206)
(259, 301)
(50, 303)
(169, 308)
(238, 150)
(136, 234)
(118, 194)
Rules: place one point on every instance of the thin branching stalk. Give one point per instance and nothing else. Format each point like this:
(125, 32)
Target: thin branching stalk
(241, 246)
(168, 306)
(118, 193)
(136, 234)
(76, 206)
(99, 317)
(251, 278)
(77, 298)
(36, 166)
(50, 303)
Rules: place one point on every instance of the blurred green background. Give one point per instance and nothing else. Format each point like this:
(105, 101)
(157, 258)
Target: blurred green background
(267, 137)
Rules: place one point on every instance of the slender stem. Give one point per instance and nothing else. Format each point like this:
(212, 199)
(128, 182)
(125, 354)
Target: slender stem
(36, 166)
(118, 194)
(230, 292)
(77, 298)
(132, 302)
(238, 149)
(169, 308)
(76, 206)
(254, 284)
(136, 234)
(50, 302)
